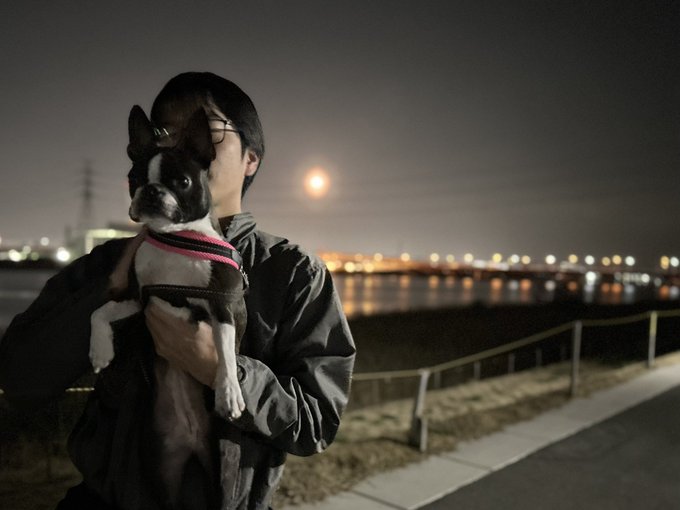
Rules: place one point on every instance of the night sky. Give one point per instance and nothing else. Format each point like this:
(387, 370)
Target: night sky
(451, 127)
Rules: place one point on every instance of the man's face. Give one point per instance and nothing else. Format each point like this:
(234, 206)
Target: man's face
(229, 168)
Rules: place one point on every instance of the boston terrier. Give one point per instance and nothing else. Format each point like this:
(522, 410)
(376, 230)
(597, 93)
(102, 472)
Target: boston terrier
(187, 268)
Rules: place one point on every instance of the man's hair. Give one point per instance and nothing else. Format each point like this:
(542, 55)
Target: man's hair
(187, 92)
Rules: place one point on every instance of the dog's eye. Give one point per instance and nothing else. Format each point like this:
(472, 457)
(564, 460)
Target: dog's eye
(184, 182)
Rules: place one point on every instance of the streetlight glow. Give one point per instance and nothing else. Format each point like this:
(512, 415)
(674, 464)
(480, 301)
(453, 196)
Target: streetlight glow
(63, 255)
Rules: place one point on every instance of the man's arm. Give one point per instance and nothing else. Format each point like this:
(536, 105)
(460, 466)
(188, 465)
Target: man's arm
(298, 405)
(298, 408)
(45, 348)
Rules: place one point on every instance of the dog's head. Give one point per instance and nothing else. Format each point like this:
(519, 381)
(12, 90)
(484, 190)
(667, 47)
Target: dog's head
(169, 185)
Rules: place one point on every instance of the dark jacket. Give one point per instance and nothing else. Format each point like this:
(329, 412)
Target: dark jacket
(295, 366)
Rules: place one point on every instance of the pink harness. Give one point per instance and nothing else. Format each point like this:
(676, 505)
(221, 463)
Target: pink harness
(196, 245)
(199, 246)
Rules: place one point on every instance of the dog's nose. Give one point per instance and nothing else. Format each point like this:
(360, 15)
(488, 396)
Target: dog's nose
(152, 191)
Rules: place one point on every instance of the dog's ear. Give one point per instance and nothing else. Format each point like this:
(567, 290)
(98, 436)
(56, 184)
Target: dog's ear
(141, 134)
(197, 139)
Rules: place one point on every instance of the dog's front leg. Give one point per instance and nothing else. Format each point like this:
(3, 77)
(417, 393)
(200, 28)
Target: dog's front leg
(101, 333)
(228, 398)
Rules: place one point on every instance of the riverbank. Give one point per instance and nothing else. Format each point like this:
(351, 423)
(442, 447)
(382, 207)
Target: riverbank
(372, 437)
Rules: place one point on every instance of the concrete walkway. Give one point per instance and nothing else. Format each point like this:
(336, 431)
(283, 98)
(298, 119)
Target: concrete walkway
(417, 485)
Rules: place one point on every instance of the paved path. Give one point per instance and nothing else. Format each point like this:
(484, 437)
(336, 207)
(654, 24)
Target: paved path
(628, 462)
(618, 449)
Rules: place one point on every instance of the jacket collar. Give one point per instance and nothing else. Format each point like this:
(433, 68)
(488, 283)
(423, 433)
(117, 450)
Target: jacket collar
(237, 228)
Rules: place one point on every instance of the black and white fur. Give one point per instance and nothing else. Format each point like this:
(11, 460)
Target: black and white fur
(169, 191)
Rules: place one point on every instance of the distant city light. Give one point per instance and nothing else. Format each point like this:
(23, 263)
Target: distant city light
(331, 265)
(450, 258)
(573, 259)
(591, 277)
(63, 255)
(616, 260)
(550, 259)
(630, 261)
(590, 260)
(497, 258)
(665, 262)
(526, 259)
(44, 241)
(15, 256)
(434, 258)
(0, 239)
(675, 262)
(378, 257)
(405, 257)
(645, 278)
(468, 258)
(514, 259)
(606, 261)
(350, 267)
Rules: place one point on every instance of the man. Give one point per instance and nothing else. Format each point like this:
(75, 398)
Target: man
(295, 359)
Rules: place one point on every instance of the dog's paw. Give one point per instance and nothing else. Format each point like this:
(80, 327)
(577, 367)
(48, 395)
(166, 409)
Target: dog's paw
(229, 399)
(101, 354)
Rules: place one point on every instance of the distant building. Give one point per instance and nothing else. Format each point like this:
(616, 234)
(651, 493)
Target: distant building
(80, 243)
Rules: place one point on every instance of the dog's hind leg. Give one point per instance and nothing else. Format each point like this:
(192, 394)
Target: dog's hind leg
(101, 333)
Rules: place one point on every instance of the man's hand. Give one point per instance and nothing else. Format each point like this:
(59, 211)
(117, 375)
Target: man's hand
(186, 345)
(118, 280)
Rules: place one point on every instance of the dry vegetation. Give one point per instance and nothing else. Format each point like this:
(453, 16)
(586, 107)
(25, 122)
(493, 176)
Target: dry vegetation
(370, 440)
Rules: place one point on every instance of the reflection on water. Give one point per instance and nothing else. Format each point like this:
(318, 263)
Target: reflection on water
(367, 294)
(371, 294)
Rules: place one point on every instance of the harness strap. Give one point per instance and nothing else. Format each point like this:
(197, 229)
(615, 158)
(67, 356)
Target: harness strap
(196, 245)
(170, 292)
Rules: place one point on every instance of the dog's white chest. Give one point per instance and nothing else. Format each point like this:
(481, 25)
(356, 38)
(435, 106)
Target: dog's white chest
(157, 266)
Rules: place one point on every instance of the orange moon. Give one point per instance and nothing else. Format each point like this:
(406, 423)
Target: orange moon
(317, 182)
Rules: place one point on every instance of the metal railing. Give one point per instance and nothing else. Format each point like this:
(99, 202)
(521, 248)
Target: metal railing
(418, 431)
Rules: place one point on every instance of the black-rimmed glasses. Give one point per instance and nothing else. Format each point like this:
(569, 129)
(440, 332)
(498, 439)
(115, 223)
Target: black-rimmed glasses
(218, 132)
(167, 137)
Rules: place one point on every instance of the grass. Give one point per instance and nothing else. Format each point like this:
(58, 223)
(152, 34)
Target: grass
(370, 440)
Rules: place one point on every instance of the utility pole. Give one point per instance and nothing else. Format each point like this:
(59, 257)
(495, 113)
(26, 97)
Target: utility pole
(86, 220)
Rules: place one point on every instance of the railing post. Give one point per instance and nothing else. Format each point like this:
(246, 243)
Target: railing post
(418, 435)
(375, 390)
(575, 356)
(477, 370)
(651, 350)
